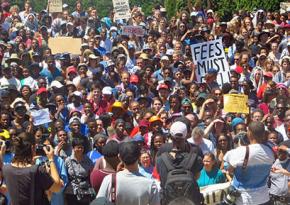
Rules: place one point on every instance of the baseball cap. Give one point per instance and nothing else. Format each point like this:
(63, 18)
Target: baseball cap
(164, 58)
(236, 121)
(41, 90)
(162, 86)
(77, 93)
(107, 90)
(129, 152)
(75, 118)
(212, 71)
(154, 118)
(71, 69)
(134, 79)
(56, 84)
(178, 129)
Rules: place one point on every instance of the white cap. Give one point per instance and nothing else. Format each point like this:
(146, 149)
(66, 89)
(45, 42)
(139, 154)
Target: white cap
(209, 11)
(64, 6)
(164, 58)
(113, 28)
(178, 129)
(107, 90)
(78, 93)
(194, 13)
(73, 119)
(56, 84)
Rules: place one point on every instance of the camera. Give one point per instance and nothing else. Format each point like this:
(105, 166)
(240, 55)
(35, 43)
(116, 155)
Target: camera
(39, 149)
(241, 139)
(231, 196)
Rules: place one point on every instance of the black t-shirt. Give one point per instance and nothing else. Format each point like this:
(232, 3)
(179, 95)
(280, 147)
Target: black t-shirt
(20, 187)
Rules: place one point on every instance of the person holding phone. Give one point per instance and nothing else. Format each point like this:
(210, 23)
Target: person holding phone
(27, 183)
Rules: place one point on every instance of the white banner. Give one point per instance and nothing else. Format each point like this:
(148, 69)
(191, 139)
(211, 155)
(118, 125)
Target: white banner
(122, 9)
(210, 55)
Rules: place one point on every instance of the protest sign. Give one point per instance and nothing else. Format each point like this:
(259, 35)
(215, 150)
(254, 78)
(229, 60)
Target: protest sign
(215, 193)
(65, 44)
(122, 9)
(284, 6)
(40, 117)
(236, 103)
(210, 55)
(133, 30)
(55, 6)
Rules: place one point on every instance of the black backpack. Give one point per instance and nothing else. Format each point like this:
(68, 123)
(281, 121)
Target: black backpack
(180, 182)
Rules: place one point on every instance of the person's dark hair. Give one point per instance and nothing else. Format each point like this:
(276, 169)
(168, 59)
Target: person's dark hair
(211, 155)
(226, 88)
(25, 86)
(78, 141)
(257, 110)
(129, 152)
(258, 131)
(23, 148)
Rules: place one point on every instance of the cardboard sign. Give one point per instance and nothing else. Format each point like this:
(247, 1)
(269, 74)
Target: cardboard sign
(122, 9)
(215, 193)
(55, 6)
(236, 103)
(40, 117)
(284, 6)
(133, 30)
(65, 44)
(210, 55)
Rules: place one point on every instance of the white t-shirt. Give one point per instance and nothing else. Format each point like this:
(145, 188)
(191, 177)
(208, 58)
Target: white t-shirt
(145, 190)
(252, 181)
(4, 82)
(206, 145)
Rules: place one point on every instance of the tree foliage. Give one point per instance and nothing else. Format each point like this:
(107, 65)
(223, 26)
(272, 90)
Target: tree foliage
(224, 7)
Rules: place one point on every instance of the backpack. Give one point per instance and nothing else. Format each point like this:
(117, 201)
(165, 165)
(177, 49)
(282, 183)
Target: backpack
(180, 182)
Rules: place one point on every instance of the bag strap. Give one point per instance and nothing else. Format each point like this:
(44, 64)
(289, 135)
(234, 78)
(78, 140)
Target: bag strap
(74, 172)
(191, 160)
(167, 161)
(246, 159)
(114, 188)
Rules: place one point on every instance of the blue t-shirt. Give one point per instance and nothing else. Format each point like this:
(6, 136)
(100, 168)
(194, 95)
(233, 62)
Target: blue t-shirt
(215, 176)
(49, 75)
(94, 155)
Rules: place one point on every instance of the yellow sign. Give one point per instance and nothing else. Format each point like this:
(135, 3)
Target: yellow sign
(65, 45)
(236, 103)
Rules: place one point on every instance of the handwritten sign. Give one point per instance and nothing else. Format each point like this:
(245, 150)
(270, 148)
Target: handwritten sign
(210, 55)
(133, 30)
(236, 103)
(55, 6)
(122, 9)
(284, 6)
(65, 44)
(40, 117)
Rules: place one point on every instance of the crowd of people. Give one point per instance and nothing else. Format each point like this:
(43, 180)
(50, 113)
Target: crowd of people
(127, 121)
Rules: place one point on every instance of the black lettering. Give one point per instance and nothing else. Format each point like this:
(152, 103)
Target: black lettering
(196, 51)
(201, 65)
(203, 51)
(210, 51)
(219, 52)
(216, 64)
